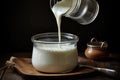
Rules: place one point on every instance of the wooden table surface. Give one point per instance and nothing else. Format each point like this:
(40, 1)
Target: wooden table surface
(12, 74)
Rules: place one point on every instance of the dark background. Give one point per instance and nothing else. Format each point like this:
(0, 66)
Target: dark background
(22, 19)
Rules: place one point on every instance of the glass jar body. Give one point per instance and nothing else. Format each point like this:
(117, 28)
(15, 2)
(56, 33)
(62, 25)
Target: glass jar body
(52, 56)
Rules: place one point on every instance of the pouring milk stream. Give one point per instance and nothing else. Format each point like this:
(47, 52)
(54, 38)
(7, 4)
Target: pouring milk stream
(59, 10)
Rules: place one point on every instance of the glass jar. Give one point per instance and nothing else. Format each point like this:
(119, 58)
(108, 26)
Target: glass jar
(82, 11)
(52, 56)
(96, 50)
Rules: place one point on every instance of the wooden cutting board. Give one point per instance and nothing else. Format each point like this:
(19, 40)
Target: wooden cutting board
(24, 66)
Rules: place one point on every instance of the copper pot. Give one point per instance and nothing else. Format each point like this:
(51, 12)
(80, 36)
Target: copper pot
(96, 50)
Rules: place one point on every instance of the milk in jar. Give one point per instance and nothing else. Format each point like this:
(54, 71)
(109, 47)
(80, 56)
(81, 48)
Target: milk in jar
(53, 57)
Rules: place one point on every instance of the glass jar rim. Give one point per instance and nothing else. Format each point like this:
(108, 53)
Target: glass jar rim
(38, 38)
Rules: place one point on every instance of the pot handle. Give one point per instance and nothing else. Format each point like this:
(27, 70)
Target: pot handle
(93, 40)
